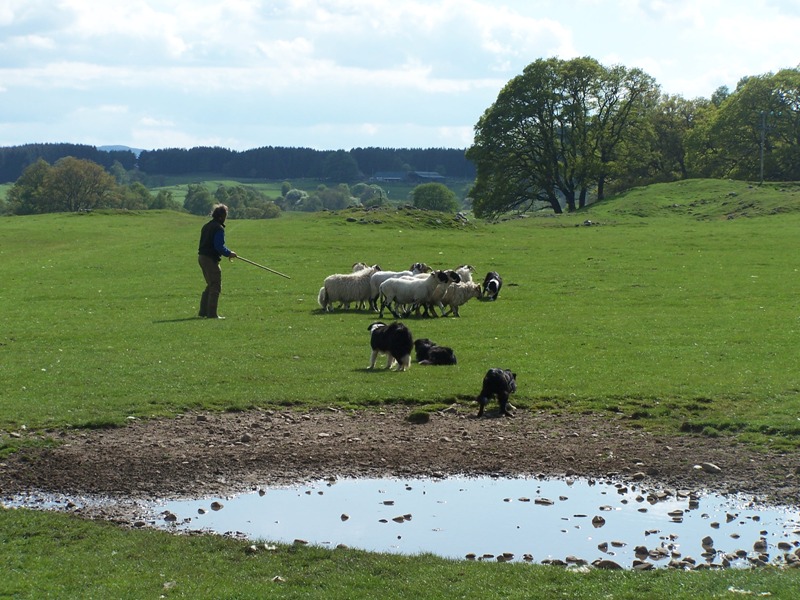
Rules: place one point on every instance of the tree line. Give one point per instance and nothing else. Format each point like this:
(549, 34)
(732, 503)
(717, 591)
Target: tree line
(272, 163)
(568, 132)
(76, 185)
(560, 135)
(15, 159)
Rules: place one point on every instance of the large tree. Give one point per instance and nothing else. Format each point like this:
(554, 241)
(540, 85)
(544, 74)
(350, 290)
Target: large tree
(751, 133)
(556, 133)
(71, 184)
(199, 200)
(79, 184)
(434, 196)
(24, 197)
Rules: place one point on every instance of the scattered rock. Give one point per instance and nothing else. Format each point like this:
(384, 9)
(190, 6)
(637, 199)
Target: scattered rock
(604, 563)
(708, 467)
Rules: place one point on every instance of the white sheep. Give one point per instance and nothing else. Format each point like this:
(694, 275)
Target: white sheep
(346, 288)
(465, 272)
(410, 290)
(438, 295)
(458, 294)
(379, 277)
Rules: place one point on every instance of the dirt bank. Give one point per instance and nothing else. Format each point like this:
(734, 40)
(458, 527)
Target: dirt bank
(219, 454)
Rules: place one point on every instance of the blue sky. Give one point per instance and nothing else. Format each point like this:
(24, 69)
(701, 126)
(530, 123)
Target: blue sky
(338, 74)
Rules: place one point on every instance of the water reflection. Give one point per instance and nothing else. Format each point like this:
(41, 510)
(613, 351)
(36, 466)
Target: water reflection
(500, 519)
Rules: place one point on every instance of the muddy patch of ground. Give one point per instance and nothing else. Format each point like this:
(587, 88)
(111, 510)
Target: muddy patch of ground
(198, 455)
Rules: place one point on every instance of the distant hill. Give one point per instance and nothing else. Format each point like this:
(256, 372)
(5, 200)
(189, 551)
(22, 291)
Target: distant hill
(136, 151)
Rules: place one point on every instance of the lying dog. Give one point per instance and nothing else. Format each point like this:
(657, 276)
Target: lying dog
(491, 285)
(500, 383)
(393, 340)
(429, 353)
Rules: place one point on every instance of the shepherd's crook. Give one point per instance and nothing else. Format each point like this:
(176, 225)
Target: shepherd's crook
(262, 267)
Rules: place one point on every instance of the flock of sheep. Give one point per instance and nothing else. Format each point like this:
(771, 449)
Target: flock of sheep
(416, 290)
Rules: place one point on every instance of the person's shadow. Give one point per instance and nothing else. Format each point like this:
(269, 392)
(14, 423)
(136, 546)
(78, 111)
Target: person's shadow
(178, 320)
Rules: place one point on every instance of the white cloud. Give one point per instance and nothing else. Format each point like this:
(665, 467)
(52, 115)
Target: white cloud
(344, 72)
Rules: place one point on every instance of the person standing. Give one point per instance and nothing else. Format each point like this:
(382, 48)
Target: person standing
(210, 252)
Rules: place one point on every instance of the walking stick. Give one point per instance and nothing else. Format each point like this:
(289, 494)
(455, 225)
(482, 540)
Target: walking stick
(255, 264)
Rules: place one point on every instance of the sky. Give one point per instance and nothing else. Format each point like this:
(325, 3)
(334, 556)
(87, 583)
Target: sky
(342, 74)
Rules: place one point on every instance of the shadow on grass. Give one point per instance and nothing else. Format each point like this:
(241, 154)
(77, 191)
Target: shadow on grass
(181, 320)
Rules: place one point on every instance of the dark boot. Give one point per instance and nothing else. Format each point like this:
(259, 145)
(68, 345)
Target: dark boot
(213, 300)
(203, 305)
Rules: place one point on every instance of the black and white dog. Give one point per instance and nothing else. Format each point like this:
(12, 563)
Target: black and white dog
(428, 353)
(500, 383)
(491, 285)
(394, 341)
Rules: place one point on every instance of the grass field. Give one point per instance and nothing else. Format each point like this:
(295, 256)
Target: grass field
(677, 306)
(677, 320)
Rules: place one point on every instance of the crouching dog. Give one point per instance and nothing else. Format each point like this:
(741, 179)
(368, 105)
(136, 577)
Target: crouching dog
(500, 383)
(429, 353)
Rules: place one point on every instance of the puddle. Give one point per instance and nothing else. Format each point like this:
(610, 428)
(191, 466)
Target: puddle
(533, 520)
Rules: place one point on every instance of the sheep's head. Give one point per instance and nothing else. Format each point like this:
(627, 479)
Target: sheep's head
(453, 276)
(442, 276)
(420, 267)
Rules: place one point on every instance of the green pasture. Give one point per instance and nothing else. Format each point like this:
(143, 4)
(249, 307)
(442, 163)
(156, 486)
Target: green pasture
(679, 321)
(675, 305)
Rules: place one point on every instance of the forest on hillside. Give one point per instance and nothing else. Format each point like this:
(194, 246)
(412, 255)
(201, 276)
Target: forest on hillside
(272, 163)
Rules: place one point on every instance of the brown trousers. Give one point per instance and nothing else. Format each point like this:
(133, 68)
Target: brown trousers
(213, 276)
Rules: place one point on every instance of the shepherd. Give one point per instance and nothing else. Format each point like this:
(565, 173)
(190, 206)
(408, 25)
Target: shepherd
(210, 252)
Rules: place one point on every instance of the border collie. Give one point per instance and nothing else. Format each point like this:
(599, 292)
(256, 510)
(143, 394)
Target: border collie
(429, 353)
(491, 285)
(394, 341)
(500, 383)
